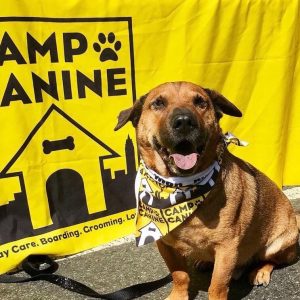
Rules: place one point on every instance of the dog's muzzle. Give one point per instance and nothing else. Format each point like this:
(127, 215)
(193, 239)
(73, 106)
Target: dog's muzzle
(182, 141)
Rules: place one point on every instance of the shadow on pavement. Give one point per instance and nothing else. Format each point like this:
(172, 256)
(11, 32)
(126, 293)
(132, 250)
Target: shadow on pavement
(200, 281)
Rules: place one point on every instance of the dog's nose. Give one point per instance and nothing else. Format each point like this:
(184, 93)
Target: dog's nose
(183, 123)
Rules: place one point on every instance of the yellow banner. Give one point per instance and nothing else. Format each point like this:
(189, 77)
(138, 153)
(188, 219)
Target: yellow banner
(64, 81)
(68, 68)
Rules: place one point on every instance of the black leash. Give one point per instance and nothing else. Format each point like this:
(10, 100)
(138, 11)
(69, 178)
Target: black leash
(42, 267)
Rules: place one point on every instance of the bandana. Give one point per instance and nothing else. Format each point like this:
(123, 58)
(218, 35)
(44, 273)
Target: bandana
(164, 203)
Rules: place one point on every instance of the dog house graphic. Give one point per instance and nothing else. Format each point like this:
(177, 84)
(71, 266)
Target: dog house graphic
(58, 171)
(149, 234)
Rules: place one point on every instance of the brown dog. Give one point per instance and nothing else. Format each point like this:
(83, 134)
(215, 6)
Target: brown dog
(245, 217)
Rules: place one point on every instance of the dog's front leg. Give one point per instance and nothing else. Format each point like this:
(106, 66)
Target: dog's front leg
(225, 263)
(176, 263)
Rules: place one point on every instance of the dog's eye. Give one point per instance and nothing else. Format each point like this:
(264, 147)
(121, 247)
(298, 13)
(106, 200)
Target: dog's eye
(200, 102)
(158, 103)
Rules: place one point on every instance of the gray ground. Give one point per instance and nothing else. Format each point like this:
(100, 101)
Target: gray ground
(121, 265)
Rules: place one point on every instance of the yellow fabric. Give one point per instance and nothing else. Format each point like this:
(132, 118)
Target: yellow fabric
(247, 50)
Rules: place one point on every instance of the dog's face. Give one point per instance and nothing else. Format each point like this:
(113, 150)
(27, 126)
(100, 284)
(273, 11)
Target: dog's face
(178, 127)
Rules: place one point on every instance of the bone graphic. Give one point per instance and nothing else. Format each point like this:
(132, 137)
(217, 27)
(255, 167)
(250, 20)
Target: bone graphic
(67, 143)
(152, 229)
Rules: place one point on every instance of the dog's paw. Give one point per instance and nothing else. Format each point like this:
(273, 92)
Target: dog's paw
(203, 266)
(177, 297)
(261, 275)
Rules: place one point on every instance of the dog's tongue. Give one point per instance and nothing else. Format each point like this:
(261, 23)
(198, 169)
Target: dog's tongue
(185, 162)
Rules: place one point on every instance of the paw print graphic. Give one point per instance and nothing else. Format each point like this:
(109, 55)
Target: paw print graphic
(107, 47)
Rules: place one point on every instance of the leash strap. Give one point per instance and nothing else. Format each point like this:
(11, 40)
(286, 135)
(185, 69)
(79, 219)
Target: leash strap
(42, 267)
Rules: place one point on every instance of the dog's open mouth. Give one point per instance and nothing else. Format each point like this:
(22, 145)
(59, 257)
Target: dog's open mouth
(184, 155)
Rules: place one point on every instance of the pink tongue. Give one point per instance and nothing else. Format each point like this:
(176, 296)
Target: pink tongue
(185, 162)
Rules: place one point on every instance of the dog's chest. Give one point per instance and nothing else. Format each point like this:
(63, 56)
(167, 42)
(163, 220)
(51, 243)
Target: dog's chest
(193, 239)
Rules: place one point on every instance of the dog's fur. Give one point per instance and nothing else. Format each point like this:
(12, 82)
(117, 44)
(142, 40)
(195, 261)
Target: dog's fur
(245, 217)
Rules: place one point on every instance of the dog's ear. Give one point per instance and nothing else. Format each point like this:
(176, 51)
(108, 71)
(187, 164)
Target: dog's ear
(131, 114)
(222, 105)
